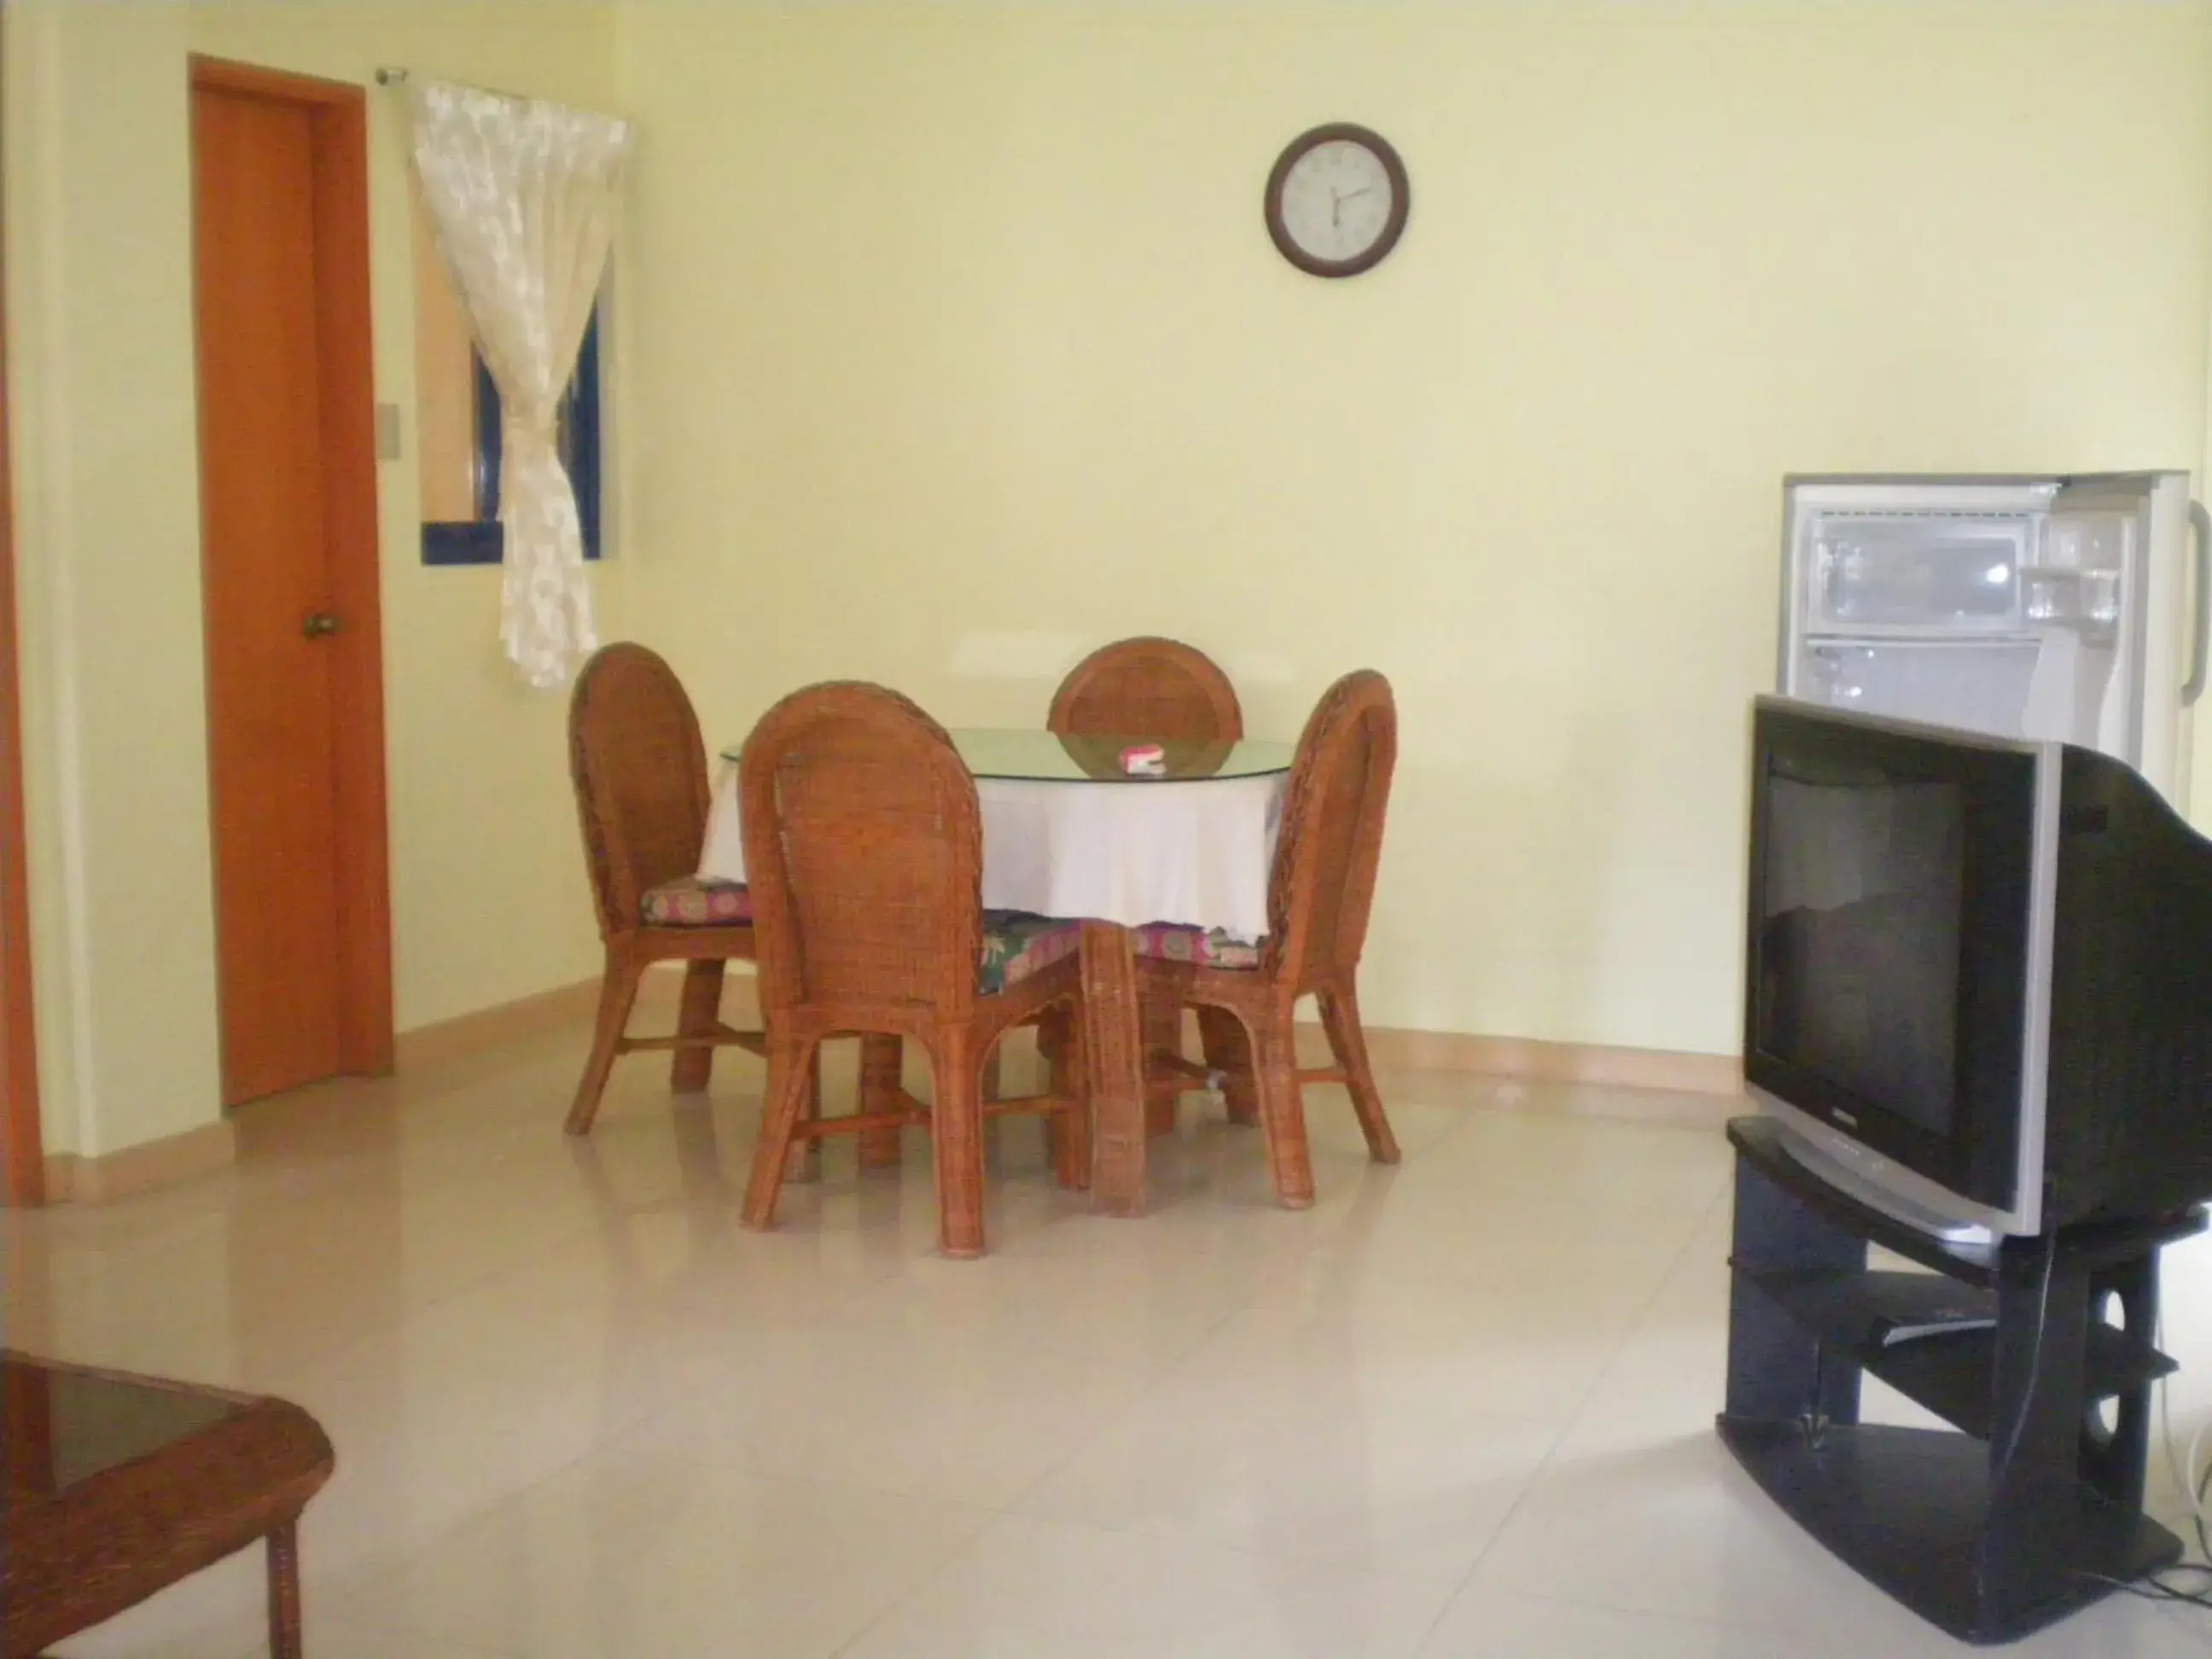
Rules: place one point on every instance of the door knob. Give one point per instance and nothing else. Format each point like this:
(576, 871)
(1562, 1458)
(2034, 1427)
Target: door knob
(320, 624)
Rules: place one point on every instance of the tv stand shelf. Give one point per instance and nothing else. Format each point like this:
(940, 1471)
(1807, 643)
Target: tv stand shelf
(2035, 1506)
(1952, 1373)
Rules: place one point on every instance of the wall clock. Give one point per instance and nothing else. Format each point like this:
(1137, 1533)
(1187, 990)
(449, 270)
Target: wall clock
(1336, 200)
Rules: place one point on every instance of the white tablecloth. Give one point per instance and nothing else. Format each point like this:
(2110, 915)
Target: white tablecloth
(1198, 854)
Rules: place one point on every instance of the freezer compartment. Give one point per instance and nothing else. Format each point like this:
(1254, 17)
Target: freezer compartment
(1919, 570)
(1982, 686)
(2087, 599)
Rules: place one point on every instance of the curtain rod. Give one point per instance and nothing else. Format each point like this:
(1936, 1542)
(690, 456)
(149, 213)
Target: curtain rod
(391, 75)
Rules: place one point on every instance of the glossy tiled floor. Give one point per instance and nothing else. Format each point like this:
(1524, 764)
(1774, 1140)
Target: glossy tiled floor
(1461, 1408)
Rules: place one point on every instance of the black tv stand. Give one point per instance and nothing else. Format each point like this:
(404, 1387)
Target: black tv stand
(2033, 1507)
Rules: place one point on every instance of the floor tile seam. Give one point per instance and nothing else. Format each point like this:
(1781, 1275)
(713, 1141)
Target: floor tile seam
(99, 1259)
(626, 1452)
(842, 1301)
(925, 1582)
(1684, 1621)
(470, 1284)
(349, 1600)
(1077, 1448)
(284, 1383)
(1544, 1110)
(1307, 1562)
(987, 1513)
(1144, 1375)
(1199, 1248)
(350, 1611)
(1097, 1432)
(474, 1650)
(1304, 1563)
(1631, 1309)
(314, 1352)
(1397, 1273)
(463, 1287)
(1633, 1326)
(1781, 1633)
(630, 1442)
(1120, 1414)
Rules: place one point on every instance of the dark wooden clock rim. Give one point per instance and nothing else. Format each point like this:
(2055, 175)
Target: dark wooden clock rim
(1400, 198)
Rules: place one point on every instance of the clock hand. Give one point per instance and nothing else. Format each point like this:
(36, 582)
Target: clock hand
(1365, 189)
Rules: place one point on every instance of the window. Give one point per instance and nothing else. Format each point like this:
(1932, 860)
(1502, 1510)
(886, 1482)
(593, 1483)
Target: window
(457, 423)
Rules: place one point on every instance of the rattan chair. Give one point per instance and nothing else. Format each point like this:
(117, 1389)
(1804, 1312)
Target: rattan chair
(1319, 894)
(863, 844)
(1148, 687)
(640, 769)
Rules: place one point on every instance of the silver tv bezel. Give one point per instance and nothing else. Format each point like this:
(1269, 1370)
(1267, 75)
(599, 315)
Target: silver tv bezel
(1824, 1142)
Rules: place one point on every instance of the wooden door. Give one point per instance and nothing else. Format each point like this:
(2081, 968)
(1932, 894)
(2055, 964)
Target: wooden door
(22, 1156)
(282, 432)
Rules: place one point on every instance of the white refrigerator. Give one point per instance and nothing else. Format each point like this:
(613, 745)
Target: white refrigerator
(2070, 608)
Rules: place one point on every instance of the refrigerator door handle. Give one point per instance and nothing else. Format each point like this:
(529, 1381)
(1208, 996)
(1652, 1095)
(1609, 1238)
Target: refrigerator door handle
(2200, 654)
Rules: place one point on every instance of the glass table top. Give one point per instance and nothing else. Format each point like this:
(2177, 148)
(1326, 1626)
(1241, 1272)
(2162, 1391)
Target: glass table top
(1042, 756)
(64, 1425)
(1023, 754)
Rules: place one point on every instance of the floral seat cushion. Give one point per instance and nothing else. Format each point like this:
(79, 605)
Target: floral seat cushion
(1173, 942)
(1017, 945)
(696, 902)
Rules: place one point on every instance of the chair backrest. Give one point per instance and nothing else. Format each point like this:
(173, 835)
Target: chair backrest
(1146, 687)
(1323, 887)
(864, 848)
(640, 769)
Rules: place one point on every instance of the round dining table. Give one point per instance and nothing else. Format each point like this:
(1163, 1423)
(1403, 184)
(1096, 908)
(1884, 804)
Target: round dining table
(1068, 832)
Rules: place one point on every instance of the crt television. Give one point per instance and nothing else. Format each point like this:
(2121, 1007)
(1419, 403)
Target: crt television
(1979, 989)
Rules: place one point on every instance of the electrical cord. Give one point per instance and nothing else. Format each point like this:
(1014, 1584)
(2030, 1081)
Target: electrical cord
(2153, 1587)
(2003, 1465)
(2194, 1489)
(2158, 1584)
(2203, 1546)
(2195, 1493)
(2191, 1482)
(2188, 1486)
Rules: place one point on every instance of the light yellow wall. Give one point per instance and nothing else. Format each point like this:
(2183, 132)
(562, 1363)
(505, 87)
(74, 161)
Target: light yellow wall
(948, 344)
(964, 350)
(488, 895)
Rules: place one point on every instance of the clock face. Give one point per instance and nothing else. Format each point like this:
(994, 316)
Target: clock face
(1337, 200)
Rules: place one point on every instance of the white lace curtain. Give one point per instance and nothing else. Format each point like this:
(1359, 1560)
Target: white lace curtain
(524, 195)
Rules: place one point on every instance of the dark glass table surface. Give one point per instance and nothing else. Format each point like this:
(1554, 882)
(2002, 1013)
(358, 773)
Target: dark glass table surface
(1020, 754)
(64, 1426)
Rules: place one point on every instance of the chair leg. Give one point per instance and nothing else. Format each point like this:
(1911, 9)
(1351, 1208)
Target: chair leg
(701, 1012)
(790, 1066)
(1282, 1115)
(956, 1130)
(284, 1591)
(880, 1062)
(1347, 1040)
(1113, 1070)
(1052, 1027)
(1160, 1022)
(618, 991)
(1229, 1052)
(1068, 1129)
(803, 1162)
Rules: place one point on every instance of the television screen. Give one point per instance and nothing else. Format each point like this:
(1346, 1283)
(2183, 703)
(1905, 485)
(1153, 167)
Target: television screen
(1893, 972)
(1860, 901)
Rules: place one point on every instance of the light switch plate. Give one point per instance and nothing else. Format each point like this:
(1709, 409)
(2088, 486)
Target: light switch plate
(387, 432)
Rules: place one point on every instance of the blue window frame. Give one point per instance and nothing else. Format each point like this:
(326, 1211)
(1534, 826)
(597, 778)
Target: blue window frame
(482, 540)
